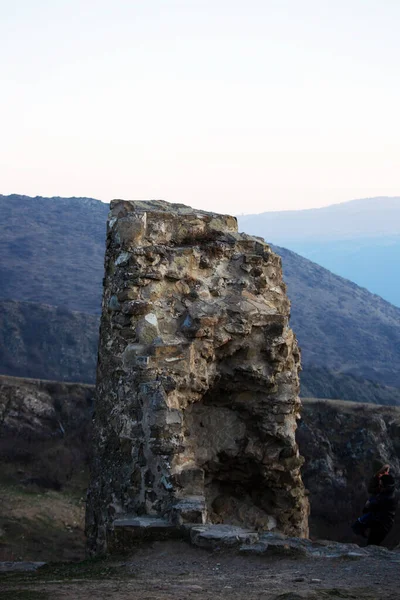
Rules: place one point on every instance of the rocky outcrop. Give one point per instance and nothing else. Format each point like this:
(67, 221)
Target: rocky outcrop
(197, 383)
(343, 443)
(44, 430)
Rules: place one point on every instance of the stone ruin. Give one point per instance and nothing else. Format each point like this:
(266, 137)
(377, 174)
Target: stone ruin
(197, 382)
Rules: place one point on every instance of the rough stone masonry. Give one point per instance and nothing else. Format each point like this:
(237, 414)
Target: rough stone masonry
(197, 382)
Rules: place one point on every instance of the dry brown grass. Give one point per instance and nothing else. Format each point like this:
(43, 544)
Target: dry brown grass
(41, 525)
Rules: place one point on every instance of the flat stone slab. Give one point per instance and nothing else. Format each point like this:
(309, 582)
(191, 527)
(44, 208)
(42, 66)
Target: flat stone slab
(271, 544)
(146, 523)
(20, 566)
(128, 531)
(277, 546)
(212, 536)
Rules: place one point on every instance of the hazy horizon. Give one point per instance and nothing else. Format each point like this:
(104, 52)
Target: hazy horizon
(228, 106)
(315, 208)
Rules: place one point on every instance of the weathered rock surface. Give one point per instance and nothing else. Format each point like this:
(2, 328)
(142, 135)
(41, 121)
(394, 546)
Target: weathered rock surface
(24, 566)
(197, 383)
(44, 430)
(272, 544)
(132, 532)
(341, 442)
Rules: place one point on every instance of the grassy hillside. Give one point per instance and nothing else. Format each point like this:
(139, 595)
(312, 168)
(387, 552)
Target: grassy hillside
(341, 326)
(52, 251)
(318, 382)
(48, 342)
(44, 456)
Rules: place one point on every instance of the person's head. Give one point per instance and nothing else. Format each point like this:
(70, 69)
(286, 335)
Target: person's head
(381, 469)
(387, 482)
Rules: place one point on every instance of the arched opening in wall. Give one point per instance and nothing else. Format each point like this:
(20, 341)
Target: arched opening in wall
(235, 457)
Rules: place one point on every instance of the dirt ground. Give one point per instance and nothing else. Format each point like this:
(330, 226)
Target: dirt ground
(41, 525)
(178, 571)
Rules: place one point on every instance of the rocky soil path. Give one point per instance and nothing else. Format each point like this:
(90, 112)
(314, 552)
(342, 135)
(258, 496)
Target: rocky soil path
(177, 571)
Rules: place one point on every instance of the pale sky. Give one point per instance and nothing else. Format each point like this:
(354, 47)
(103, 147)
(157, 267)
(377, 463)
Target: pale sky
(235, 106)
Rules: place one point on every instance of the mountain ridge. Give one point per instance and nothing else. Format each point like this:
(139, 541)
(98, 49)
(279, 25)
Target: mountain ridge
(369, 217)
(52, 253)
(358, 240)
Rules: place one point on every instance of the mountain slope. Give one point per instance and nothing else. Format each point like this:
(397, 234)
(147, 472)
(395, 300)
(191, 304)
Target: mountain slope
(319, 382)
(46, 342)
(52, 251)
(371, 263)
(339, 325)
(41, 341)
(342, 329)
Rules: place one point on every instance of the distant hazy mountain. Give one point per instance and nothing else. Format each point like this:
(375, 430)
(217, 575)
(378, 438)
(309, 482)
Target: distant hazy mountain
(369, 217)
(52, 250)
(359, 240)
(340, 325)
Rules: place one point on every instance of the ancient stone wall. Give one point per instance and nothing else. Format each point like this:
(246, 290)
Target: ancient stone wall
(197, 382)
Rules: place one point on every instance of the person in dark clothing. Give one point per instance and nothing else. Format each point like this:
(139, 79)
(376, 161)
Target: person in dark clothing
(378, 513)
(374, 485)
(382, 510)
